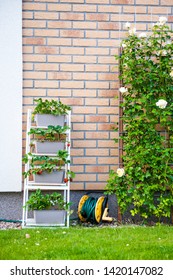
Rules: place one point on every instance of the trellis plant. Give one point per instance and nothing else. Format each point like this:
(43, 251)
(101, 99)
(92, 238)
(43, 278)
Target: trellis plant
(146, 180)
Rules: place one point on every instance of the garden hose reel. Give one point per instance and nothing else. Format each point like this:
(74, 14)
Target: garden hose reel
(94, 210)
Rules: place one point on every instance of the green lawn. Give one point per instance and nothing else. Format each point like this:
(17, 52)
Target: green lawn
(83, 243)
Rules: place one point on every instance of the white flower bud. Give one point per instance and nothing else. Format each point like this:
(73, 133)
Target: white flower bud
(120, 172)
(162, 103)
(142, 35)
(123, 89)
(132, 31)
(162, 20)
(127, 25)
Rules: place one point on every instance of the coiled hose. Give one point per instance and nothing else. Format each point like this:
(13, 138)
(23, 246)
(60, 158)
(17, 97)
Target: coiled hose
(91, 209)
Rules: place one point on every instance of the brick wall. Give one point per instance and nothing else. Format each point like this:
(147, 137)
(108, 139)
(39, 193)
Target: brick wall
(68, 53)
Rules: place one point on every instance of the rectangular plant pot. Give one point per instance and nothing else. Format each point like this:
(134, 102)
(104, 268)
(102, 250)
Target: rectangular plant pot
(50, 217)
(48, 119)
(55, 177)
(47, 147)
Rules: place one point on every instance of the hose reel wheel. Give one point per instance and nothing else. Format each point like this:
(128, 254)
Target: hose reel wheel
(80, 205)
(92, 209)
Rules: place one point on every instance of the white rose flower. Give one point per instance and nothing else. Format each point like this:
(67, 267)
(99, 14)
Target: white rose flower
(162, 103)
(162, 20)
(171, 74)
(142, 35)
(127, 25)
(123, 89)
(164, 52)
(132, 31)
(168, 42)
(124, 45)
(120, 172)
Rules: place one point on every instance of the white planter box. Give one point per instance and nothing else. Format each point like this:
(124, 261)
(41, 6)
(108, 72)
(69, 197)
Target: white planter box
(55, 177)
(48, 119)
(50, 217)
(47, 147)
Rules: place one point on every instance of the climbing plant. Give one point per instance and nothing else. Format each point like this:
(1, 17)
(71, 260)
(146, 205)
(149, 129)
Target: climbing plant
(146, 180)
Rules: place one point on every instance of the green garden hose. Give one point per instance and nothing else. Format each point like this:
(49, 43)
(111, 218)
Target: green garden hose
(91, 209)
(88, 209)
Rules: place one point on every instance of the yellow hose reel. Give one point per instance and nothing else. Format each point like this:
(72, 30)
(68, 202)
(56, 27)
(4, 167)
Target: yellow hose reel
(96, 209)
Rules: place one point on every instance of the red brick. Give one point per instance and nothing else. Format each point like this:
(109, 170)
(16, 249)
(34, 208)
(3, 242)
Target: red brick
(34, 23)
(107, 160)
(108, 110)
(123, 2)
(59, 58)
(84, 42)
(45, 15)
(97, 135)
(46, 32)
(107, 144)
(34, 6)
(46, 67)
(97, 34)
(85, 177)
(72, 101)
(59, 24)
(71, 50)
(84, 93)
(148, 2)
(84, 76)
(76, 186)
(84, 126)
(97, 17)
(59, 76)
(84, 25)
(59, 7)
(84, 59)
(72, 67)
(108, 9)
(72, 33)
(84, 160)
(97, 119)
(59, 41)
(97, 68)
(97, 84)
(46, 84)
(84, 8)
(34, 75)
(97, 51)
(46, 50)
(108, 26)
(34, 41)
(34, 58)
(84, 143)
(71, 84)
(96, 102)
(72, 16)
(95, 186)
(59, 92)
(97, 152)
(97, 169)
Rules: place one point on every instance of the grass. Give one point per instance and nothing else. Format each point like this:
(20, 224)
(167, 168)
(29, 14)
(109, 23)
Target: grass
(83, 243)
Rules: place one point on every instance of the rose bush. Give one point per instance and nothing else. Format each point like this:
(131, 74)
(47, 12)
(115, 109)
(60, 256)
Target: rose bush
(146, 71)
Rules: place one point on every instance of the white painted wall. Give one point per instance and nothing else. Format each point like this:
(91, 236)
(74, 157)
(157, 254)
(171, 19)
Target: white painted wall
(10, 95)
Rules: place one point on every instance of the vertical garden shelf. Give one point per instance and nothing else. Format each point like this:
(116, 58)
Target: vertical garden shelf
(32, 184)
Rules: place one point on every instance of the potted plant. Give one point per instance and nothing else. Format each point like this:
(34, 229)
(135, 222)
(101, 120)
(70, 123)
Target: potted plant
(50, 112)
(46, 169)
(49, 140)
(48, 208)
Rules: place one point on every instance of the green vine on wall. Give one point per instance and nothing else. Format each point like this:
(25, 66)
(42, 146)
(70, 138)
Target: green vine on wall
(146, 180)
